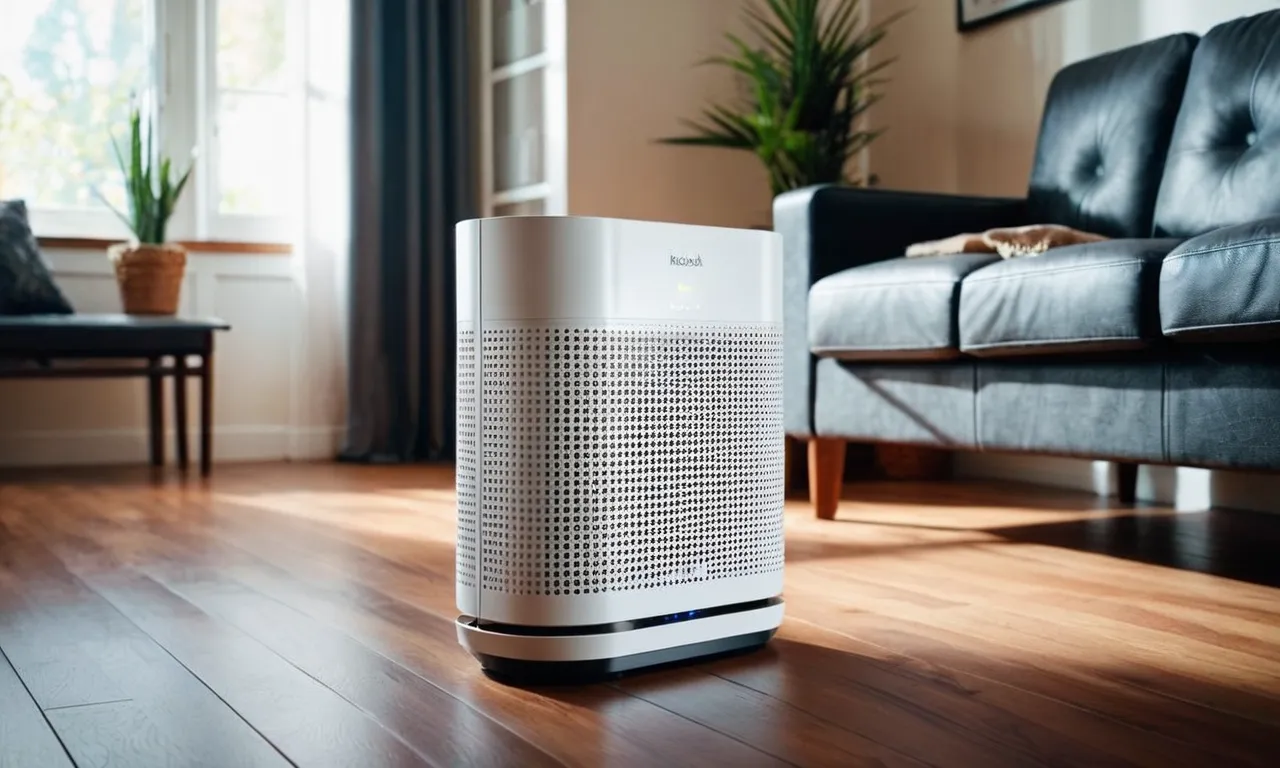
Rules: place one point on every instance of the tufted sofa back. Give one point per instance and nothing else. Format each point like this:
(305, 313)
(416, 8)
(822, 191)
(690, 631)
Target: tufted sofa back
(1224, 160)
(1104, 135)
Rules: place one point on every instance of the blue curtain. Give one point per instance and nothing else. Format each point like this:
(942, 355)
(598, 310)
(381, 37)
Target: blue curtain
(413, 179)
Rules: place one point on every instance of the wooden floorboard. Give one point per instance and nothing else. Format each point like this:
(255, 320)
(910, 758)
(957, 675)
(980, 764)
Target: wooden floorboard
(113, 695)
(394, 694)
(309, 722)
(303, 614)
(26, 739)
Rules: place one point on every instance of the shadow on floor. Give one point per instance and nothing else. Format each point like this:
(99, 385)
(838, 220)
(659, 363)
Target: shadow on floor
(1229, 543)
(1233, 544)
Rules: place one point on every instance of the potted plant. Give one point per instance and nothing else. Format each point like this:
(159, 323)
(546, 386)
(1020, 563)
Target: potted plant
(149, 269)
(806, 85)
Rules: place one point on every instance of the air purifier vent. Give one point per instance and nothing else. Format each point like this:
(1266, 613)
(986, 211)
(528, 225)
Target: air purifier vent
(621, 457)
(465, 461)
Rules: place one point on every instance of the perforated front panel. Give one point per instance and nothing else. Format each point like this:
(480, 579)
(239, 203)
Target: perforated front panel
(465, 560)
(622, 458)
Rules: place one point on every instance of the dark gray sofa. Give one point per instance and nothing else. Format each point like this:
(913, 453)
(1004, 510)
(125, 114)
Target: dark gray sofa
(1159, 346)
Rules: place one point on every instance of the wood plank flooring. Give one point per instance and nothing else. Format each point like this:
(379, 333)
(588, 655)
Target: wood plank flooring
(303, 615)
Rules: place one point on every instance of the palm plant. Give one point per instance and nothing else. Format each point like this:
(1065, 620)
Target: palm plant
(152, 192)
(807, 87)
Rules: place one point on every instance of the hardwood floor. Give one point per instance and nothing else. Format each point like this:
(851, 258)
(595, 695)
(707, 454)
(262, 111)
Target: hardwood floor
(302, 614)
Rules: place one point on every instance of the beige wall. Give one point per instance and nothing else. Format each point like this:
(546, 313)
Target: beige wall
(963, 111)
(631, 78)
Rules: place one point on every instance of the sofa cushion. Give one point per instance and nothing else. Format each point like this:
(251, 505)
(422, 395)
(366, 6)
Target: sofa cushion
(26, 285)
(1225, 156)
(900, 309)
(1224, 286)
(1097, 297)
(1103, 138)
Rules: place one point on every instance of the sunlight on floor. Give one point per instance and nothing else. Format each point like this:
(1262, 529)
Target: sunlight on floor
(425, 515)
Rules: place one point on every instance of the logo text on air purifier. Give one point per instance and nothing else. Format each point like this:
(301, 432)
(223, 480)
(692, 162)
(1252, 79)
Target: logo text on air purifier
(686, 261)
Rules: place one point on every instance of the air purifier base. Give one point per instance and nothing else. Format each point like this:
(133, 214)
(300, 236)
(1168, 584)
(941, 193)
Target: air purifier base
(519, 672)
(540, 658)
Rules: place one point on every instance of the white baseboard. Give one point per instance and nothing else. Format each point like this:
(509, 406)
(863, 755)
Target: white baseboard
(311, 443)
(1185, 488)
(130, 446)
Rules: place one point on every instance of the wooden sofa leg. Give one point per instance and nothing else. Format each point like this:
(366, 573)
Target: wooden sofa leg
(826, 475)
(1127, 482)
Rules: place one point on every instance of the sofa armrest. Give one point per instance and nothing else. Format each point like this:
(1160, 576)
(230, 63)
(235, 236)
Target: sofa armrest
(829, 228)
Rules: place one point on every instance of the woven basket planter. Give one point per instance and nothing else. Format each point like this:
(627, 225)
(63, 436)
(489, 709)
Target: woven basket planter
(909, 462)
(149, 276)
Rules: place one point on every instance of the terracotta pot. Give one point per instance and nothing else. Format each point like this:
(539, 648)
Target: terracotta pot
(909, 462)
(149, 276)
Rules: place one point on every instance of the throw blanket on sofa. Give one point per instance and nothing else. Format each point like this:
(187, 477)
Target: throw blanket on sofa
(1007, 241)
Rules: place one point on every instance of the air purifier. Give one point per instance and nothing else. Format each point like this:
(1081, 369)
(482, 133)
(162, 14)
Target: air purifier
(620, 443)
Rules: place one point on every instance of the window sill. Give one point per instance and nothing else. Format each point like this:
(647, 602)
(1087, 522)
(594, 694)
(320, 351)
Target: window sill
(195, 246)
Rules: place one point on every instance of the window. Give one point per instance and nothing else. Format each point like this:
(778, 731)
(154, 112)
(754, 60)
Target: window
(253, 91)
(220, 74)
(67, 68)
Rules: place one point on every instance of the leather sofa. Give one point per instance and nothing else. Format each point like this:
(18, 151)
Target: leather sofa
(1160, 345)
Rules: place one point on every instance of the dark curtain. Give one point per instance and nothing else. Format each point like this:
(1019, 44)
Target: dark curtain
(412, 181)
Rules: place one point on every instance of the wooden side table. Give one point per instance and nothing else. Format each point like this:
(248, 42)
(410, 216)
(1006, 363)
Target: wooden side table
(48, 339)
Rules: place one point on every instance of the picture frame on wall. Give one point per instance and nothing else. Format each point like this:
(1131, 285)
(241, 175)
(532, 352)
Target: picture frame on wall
(971, 14)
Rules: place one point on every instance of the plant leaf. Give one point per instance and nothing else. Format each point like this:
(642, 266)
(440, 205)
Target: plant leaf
(149, 185)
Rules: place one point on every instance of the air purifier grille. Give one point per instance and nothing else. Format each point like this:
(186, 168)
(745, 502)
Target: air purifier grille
(465, 460)
(620, 457)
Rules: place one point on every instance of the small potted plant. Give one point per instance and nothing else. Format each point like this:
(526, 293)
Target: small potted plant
(149, 270)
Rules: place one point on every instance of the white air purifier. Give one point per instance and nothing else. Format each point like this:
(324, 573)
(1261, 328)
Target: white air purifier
(620, 444)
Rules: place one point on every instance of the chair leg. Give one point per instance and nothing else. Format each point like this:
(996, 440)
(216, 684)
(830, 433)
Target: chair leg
(155, 411)
(206, 414)
(1127, 482)
(826, 475)
(180, 408)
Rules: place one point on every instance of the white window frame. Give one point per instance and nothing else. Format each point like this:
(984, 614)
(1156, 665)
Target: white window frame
(182, 37)
(210, 222)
